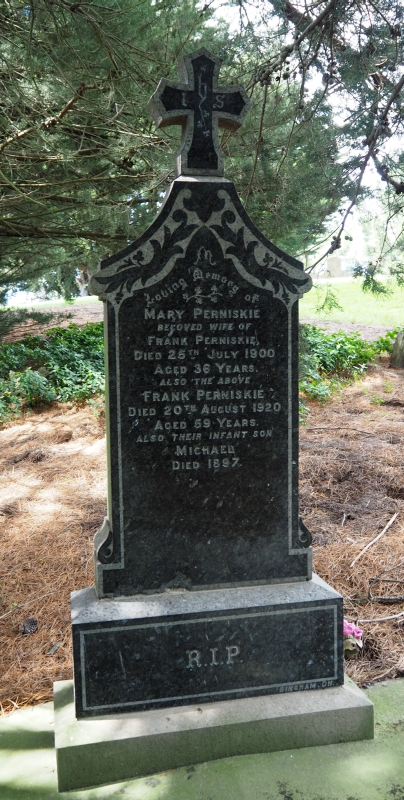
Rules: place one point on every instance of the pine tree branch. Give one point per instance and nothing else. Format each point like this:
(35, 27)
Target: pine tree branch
(19, 230)
(279, 60)
(49, 122)
(258, 146)
(381, 126)
(76, 181)
(384, 173)
(371, 140)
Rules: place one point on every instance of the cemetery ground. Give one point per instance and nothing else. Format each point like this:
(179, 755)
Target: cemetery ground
(53, 500)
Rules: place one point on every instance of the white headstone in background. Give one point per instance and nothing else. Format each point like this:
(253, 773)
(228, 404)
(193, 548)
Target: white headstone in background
(334, 267)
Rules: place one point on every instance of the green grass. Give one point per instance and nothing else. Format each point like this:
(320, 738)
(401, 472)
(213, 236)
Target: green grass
(356, 306)
(44, 304)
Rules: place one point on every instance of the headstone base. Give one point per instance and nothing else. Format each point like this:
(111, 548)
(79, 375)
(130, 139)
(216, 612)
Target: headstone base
(93, 752)
(180, 648)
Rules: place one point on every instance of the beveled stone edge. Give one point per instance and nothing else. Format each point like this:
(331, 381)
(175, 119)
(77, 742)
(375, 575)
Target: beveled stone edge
(86, 607)
(154, 721)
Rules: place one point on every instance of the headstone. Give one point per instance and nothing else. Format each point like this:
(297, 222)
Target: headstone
(334, 267)
(204, 588)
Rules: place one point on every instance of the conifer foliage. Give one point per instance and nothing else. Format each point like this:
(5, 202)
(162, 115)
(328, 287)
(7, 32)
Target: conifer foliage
(353, 49)
(79, 157)
(83, 169)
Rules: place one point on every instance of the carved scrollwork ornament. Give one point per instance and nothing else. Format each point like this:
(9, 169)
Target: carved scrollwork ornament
(305, 537)
(104, 544)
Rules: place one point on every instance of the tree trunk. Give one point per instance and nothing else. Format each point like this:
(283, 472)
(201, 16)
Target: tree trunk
(397, 355)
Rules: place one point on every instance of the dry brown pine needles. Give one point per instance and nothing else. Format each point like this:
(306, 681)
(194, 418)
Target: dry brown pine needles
(50, 508)
(351, 486)
(53, 500)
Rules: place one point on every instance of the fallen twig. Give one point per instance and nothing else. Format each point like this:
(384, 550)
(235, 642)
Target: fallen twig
(338, 428)
(376, 539)
(386, 599)
(379, 677)
(381, 619)
(29, 603)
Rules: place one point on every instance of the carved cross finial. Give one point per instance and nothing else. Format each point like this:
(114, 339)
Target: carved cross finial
(200, 106)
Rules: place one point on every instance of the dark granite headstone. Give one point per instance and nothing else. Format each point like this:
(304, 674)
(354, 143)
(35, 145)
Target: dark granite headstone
(203, 402)
(202, 419)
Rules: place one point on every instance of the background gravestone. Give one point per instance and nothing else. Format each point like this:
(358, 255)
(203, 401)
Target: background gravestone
(203, 569)
(334, 267)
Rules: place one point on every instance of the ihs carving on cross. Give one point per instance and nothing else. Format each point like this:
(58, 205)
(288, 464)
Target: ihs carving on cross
(200, 106)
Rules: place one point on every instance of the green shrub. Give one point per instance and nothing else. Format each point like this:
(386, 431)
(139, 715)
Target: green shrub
(66, 364)
(32, 387)
(23, 389)
(327, 360)
(10, 402)
(76, 363)
(384, 344)
(336, 353)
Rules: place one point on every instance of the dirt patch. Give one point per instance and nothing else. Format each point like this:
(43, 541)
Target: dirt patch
(79, 314)
(53, 499)
(368, 332)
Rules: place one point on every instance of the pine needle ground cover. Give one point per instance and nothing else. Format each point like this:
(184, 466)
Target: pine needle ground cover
(351, 486)
(53, 499)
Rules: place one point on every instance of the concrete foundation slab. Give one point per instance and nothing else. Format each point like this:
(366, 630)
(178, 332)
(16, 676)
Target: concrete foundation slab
(93, 752)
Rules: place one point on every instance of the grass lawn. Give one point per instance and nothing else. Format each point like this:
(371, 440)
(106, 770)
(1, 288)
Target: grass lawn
(44, 304)
(356, 305)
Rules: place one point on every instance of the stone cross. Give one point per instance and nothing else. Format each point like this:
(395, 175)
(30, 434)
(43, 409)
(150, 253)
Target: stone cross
(200, 106)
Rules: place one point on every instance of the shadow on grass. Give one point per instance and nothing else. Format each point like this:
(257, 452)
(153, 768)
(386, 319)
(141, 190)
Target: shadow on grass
(26, 740)
(8, 792)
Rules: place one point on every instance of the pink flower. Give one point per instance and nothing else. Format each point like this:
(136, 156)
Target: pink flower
(351, 630)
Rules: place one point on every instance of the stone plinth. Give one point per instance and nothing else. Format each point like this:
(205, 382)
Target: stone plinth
(98, 751)
(177, 648)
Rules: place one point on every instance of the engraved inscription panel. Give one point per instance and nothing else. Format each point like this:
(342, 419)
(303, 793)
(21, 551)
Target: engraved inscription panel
(204, 393)
(205, 403)
(185, 661)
